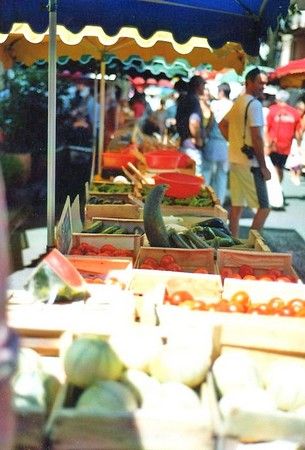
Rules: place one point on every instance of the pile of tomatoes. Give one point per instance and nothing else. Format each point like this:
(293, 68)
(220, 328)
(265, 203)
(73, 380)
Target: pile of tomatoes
(166, 262)
(246, 272)
(240, 302)
(105, 250)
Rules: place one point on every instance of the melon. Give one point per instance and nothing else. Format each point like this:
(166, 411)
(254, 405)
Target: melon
(107, 397)
(234, 371)
(174, 396)
(142, 385)
(180, 364)
(136, 347)
(88, 360)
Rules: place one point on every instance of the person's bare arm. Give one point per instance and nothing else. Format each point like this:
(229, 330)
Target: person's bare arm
(195, 130)
(258, 146)
(224, 128)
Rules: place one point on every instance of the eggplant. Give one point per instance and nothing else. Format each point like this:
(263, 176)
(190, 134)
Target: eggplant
(215, 222)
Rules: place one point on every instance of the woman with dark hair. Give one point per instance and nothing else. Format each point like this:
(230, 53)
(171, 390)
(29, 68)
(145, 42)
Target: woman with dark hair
(189, 122)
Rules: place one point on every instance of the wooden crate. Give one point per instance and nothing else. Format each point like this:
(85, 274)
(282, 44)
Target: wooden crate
(188, 259)
(259, 261)
(129, 224)
(195, 212)
(143, 430)
(132, 209)
(248, 426)
(256, 241)
(131, 242)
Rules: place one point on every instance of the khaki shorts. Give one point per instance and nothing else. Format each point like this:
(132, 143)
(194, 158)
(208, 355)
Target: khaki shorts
(245, 189)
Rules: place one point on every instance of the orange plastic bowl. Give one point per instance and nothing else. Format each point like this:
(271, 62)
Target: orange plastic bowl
(180, 185)
(116, 160)
(163, 159)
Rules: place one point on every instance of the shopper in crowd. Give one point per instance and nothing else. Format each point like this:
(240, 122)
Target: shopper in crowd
(283, 125)
(215, 152)
(189, 122)
(243, 128)
(8, 340)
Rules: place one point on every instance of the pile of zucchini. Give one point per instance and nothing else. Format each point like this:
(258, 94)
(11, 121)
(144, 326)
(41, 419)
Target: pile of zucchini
(209, 233)
(98, 227)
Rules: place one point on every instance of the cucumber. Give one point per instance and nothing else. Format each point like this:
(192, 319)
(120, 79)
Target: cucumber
(153, 221)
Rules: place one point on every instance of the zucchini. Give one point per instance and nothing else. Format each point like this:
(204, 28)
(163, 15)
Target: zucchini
(197, 241)
(94, 228)
(215, 222)
(179, 240)
(153, 221)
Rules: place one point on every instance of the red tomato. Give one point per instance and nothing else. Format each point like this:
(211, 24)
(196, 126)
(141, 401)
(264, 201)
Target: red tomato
(262, 309)
(201, 270)
(222, 306)
(151, 261)
(174, 267)
(236, 307)
(146, 266)
(199, 305)
(245, 270)
(286, 311)
(166, 260)
(301, 313)
(274, 273)
(242, 298)
(264, 277)
(249, 277)
(212, 307)
(296, 304)
(275, 304)
(180, 296)
(226, 272)
(284, 278)
(107, 248)
(187, 304)
(235, 275)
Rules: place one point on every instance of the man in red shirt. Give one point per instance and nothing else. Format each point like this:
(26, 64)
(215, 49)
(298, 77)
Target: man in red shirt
(283, 123)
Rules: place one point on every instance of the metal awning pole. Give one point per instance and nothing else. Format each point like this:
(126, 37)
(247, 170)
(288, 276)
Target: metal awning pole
(102, 117)
(51, 125)
(95, 127)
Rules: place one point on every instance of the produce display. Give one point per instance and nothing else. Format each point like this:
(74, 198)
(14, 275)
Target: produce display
(166, 262)
(203, 199)
(107, 200)
(247, 272)
(98, 226)
(111, 188)
(135, 369)
(209, 233)
(259, 389)
(105, 250)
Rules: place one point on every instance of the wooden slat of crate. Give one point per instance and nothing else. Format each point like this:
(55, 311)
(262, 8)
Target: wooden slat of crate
(256, 241)
(30, 423)
(142, 430)
(259, 261)
(188, 259)
(181, 211)
(127, 211)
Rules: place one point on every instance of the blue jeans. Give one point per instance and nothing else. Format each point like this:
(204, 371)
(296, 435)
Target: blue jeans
(196, 155)
(215, 174)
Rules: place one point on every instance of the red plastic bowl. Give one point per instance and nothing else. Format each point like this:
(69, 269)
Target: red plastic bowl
(180, 185)
(163, 159)
(116, 160)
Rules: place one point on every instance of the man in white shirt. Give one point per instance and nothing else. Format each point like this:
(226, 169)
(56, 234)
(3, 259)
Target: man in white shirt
(243, 126)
